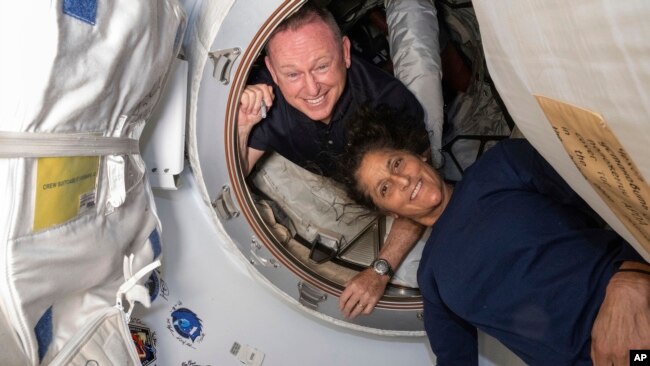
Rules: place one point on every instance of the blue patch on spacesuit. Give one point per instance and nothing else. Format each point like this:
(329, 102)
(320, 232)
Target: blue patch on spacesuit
(84, 10)
(153, 286)
(186, 323)
(43, 330)
(154, 239)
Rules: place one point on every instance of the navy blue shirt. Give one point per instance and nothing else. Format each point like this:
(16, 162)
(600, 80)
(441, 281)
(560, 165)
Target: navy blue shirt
(518, 254)
(315, 145)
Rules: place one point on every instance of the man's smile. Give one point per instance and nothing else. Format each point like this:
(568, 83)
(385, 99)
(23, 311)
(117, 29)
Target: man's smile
(316, 100)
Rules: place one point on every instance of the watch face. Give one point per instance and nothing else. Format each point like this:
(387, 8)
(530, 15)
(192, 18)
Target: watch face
(381, 266)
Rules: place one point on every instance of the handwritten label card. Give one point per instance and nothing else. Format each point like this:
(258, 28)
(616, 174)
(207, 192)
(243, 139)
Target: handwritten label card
(605, 164)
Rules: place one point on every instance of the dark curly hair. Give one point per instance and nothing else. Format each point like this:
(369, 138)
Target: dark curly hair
(372, 128)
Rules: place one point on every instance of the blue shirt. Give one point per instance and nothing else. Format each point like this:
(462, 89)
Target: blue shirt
(518, 254)
(315, 145)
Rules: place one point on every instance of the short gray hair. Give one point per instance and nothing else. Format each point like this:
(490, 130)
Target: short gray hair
(308, 13)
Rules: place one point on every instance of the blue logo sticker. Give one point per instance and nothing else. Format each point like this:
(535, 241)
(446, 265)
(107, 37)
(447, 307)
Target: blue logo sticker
(84, 10)
(186, 323)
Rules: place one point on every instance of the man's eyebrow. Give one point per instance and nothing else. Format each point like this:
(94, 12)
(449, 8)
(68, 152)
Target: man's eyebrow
(316, 62)
(323, 58)
(290, 66)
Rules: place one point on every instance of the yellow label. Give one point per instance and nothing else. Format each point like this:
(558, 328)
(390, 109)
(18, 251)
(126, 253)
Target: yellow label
(65, 187)
(605, 164)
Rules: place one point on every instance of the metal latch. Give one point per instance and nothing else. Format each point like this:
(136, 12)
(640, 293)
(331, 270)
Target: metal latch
(256, 257)
(310, 296)
(326, 246)
(330, 238)
(223, 61)
(224, 205)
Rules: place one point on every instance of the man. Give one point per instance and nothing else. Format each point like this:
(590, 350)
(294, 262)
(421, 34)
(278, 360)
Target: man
(312, 85)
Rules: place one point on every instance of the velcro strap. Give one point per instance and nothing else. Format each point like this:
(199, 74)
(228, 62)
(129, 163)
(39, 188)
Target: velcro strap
(41, 145)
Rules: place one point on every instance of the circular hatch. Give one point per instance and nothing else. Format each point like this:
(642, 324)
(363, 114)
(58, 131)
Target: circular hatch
(303, 238)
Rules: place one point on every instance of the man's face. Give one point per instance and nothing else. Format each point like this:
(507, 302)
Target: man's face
(309, 66)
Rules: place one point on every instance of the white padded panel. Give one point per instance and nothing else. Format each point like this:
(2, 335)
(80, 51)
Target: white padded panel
(590, 54)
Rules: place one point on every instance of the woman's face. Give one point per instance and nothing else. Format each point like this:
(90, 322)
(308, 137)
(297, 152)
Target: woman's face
(402, 184)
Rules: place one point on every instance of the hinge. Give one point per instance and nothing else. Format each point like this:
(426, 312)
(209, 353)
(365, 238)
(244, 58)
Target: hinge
(310, 296)
(224, 204)
(223, 61)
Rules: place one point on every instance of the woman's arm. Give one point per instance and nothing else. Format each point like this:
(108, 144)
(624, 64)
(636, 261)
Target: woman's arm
(623, 321)
(453, 340)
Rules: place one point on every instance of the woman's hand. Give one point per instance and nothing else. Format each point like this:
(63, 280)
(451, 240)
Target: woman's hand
(362, 293)
(623, 321)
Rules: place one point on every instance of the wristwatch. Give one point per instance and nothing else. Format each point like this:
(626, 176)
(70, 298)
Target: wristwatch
(382, 267)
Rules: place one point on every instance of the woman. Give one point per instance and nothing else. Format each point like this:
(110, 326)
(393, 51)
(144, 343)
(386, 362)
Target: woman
(513, 250)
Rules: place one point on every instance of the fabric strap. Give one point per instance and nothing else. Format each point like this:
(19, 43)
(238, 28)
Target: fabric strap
(40, 144)
(130, 288)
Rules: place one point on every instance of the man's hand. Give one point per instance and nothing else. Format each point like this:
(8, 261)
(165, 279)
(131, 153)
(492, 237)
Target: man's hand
(250, 104)
(362, 293)
(623, 321)
(250, 113)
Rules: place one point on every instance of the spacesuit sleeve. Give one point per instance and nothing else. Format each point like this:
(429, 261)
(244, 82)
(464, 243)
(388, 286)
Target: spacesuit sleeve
(453, 340)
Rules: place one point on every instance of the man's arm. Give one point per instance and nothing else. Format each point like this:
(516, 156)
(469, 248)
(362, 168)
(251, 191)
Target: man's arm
(251, 113)
(367, 287)
(249, 156)
(623, 321)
